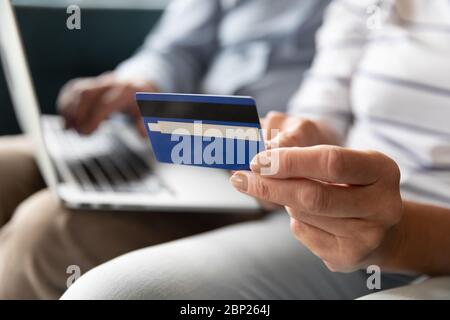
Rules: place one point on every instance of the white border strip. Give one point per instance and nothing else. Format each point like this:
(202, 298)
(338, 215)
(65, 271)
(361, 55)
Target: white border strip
(206, 130)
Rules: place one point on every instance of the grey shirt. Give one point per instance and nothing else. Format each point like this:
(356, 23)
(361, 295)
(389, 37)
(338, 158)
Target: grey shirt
(246, 47)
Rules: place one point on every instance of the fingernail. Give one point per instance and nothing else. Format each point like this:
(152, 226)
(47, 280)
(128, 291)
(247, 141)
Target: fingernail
(261, 160)
(239, 181)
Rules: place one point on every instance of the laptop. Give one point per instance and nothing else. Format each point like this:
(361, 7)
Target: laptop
(114, 168)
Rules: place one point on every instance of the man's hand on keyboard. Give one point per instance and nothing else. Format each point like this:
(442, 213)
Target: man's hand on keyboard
(86, 102)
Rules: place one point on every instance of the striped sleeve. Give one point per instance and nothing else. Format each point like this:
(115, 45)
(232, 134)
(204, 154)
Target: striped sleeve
(325, 92)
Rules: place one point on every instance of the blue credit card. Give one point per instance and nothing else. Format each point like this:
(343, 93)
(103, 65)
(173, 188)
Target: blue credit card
(202, 130)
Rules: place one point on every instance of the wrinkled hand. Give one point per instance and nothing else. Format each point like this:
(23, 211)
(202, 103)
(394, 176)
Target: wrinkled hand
(283, 130)
(86, 102)
(343, 203)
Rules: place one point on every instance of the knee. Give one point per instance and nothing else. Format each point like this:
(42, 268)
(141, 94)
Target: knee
(17, 162)
(36, 222)
(19, 174)
(29, 247)
(191, 268)
(104, 282)
(119, 279)
(164, 272)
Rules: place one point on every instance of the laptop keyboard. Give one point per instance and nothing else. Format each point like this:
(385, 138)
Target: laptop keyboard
(102, 162)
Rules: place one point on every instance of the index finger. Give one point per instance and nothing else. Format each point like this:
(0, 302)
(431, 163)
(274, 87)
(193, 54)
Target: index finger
(325, 163)
(111, 101)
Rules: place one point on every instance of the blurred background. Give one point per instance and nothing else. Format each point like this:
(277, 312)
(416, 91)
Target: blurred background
(56, 54)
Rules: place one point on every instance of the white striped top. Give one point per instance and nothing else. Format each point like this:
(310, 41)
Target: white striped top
(381, 77)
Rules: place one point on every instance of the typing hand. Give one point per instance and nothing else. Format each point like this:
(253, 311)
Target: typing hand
(86, 102)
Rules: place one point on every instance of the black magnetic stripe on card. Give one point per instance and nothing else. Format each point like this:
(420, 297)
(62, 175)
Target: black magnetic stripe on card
(199, 111)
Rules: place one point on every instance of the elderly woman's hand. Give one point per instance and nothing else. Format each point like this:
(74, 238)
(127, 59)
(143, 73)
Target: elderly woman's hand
(343, 203)
(283, 130)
